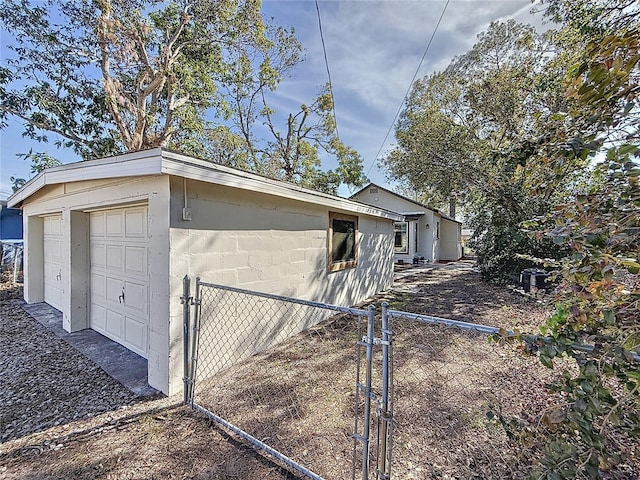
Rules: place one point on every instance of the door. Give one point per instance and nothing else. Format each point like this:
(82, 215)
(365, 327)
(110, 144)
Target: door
(119, 276)
(53, 260)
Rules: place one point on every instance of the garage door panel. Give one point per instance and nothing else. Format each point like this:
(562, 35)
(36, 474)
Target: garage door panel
(98, 288)
(113, 290)
(54, 295)
(52, 271)
(115, 257)
(98, 317)
(114, 324)
(136, 297)
(53, 249)
(136, 335)
(119, 252)
(97, 224)
(53, 225)
(136, 224)
(98, 255)
(114, 227)
(135, 260)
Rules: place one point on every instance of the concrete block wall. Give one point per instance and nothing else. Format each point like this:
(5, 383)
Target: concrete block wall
(269, 244)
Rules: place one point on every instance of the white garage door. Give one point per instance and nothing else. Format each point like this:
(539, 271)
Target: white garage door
(53, 260)
(119, 276)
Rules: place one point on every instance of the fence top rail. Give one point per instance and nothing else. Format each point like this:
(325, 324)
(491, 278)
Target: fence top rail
(325, 306)
(451, 323)
(482, 329)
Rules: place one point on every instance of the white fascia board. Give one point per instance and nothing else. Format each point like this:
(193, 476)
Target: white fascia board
(158, 161)
(195, 169)
(146, 162)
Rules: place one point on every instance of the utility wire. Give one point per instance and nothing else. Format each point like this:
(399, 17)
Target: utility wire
(410, 85)
(326, 62)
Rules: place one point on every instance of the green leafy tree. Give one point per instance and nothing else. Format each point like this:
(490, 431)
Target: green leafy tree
(293, 153)
(468, 133)
(124, 75)
(119, 75)
(39, 162)
(594, 426)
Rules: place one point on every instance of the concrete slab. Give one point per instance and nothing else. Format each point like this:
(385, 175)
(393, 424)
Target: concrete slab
(407, 270)
(128, 368)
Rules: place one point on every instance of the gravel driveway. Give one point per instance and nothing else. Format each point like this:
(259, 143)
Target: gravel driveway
(43, 380)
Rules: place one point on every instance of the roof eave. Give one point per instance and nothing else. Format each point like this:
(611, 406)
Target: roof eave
(158, 161)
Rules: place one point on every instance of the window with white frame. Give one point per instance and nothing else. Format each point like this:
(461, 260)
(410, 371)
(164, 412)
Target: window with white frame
(401, 244)
(343, 241)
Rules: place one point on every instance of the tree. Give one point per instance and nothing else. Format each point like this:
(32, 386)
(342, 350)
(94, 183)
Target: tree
(121, 75)
(595, 422)
(39, 161)
(467, 135)
(293, 153)
(124, 75)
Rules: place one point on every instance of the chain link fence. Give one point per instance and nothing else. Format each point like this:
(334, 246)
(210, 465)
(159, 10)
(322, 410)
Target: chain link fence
(11, 259)
(282, 374)
(453, 385)
(336, 393)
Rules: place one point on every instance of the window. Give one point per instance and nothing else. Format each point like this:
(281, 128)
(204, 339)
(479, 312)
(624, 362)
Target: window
(343, 241)
(402, 240)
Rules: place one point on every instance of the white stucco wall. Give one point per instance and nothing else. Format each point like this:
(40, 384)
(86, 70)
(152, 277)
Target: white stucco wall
(451, 242)
(269, 244)
(73, 200)
(428, 245)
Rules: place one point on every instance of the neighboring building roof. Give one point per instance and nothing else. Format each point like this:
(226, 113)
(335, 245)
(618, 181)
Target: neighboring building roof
(407, 199)
(159, 161)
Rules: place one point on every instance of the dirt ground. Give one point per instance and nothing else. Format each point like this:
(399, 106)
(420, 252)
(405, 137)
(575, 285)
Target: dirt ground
(300, 397)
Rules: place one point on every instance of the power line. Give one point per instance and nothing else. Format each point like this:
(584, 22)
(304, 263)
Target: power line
(326, 62)
(410, 85)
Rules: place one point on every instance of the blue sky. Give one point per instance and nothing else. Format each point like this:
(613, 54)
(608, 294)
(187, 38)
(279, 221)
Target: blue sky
(373, 49)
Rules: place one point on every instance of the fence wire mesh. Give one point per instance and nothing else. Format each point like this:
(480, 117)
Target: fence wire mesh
(442, 394)
(11, 260)
(284, 371)
(451, 386)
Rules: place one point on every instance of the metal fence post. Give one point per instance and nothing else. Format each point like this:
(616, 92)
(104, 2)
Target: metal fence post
(186, 310)
(194, 339)
(386, 398)
(367, 394)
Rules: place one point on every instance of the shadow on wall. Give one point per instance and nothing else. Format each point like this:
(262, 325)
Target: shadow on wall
(282, 252)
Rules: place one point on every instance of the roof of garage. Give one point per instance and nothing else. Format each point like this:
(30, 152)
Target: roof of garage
(159, 161)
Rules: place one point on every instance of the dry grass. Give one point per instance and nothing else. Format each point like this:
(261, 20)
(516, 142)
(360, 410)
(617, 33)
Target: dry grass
(300, 398)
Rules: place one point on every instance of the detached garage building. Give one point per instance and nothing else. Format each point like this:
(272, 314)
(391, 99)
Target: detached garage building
(107, 242)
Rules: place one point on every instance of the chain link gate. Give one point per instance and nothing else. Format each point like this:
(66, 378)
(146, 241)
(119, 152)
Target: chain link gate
(279, 373)
(266, 367)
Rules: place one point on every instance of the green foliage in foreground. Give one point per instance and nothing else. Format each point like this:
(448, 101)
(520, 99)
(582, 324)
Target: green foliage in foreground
(593, 429)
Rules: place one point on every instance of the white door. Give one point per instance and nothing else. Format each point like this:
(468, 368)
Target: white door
(53, 260)
(119, 276)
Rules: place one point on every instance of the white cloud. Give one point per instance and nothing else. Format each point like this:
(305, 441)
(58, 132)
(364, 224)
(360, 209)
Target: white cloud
(373, 48)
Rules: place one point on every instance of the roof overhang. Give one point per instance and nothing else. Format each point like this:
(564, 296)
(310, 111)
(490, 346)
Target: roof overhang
(413, 216)
(158, 161)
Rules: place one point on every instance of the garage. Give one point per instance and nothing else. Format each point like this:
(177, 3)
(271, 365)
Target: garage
(117, 236)
(119, 285)
(53, 260)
